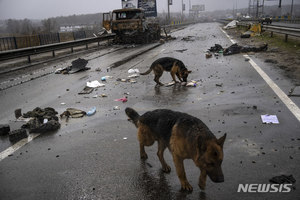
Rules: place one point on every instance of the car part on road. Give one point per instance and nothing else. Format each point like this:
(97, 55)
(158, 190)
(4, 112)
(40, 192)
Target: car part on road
(4, 129)
(73, 113)
(86, 90)
(17, 135)
(38, 123)
(18, 113)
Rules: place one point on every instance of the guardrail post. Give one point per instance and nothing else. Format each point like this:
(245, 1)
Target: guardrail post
(271, 33)
(29, 60)
(58, 37)
(286, 38)
(15, 41)
(53, 53)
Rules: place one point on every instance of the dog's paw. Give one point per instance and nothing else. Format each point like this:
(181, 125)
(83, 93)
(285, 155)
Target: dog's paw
(166, 169)
(186, 187)
(144, 156)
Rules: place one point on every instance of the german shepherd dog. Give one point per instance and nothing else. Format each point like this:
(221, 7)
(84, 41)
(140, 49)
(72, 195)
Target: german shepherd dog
(186, 137)
(172, 65)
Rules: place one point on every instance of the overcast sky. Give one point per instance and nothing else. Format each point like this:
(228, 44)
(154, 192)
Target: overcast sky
(41, 9)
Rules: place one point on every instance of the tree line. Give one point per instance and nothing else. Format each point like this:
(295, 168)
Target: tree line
(50, 25)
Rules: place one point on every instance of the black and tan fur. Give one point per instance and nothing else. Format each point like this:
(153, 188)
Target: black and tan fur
(186, 137)
(172, 65)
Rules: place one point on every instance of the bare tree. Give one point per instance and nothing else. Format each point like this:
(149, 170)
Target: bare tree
(49, 25)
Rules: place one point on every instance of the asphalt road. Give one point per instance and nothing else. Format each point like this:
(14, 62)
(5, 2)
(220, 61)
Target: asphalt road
(97, 157)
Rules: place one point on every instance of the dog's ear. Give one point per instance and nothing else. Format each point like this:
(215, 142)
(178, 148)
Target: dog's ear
(221, 140)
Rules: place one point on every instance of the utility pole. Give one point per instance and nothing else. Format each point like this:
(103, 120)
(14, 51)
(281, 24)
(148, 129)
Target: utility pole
(181, 10)
(292, 9)
(168, 11)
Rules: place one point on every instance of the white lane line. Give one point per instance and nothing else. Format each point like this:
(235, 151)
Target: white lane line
(231, 40)
(18, 145)
(284, 98)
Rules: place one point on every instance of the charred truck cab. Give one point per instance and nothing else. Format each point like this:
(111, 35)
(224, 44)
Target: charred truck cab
(131, 26)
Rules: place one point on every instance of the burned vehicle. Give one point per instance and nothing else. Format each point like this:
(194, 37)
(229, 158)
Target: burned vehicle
(131, 26)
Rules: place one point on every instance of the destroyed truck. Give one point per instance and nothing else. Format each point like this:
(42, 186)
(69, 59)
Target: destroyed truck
(131, 26)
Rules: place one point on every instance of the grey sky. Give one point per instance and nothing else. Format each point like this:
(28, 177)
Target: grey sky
(41, 9)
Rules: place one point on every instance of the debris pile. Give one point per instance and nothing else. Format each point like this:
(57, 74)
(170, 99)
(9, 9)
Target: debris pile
(235, 49)
(42, 120)
(77, 66)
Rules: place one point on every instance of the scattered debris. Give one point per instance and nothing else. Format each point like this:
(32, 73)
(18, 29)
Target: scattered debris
(18, 113)
(126, 80)
(235, 48)
(269, 119)
(77, 66)
(17, 135)
(4, 129)
(192, 83)
(247, 59)
(116, 108)
(133, 71)
(181, 50)
(103, 95)
(86, 90)
(134, 76)
(295, 92)
(73, 113)
(231, 24)
(124, 99)
(208, 55)
(216, 48)
(188, 38)
(247, 34)
(271, 61)
(37, 125)
(283, 179)
(219, 84)
(94, 84)
(91, 112)
(170, 84)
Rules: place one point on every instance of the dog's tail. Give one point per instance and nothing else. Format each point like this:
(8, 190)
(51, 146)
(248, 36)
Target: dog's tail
(133, 115)
(147, 72)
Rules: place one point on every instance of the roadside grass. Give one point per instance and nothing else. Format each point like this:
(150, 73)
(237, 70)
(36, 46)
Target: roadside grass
(278, 40)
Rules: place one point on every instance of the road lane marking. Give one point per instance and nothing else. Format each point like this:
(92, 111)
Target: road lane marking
(18, 145)
(284, 98)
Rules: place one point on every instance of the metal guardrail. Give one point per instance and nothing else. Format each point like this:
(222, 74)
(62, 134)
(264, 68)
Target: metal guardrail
(11, 54)
(276, 29)
(282, 30)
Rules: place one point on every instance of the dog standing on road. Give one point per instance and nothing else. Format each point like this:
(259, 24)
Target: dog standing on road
(186, 137)
(172, 65)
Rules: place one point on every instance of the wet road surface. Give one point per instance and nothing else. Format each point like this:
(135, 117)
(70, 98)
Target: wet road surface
(97, 157)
